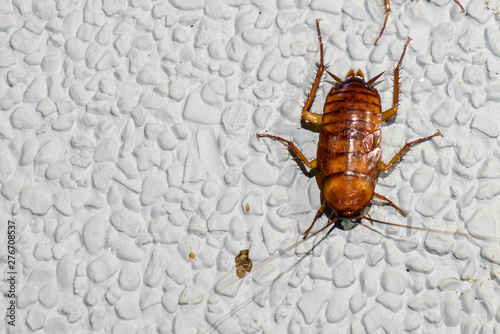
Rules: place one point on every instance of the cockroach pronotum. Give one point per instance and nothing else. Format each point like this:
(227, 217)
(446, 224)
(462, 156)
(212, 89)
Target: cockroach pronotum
(349, 153)
(387, 10)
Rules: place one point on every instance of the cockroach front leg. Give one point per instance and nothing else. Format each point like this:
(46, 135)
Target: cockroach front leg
(311, 164)
(384, 167)
(395, 95)
(320, 211)
(401, 211)
(306, 115)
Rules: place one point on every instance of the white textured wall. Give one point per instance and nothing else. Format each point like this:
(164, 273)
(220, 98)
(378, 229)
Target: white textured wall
(128, 142)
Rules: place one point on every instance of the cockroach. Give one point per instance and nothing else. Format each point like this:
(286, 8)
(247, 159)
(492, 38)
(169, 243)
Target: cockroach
(387, 10)
(348, 159)
(348, 163)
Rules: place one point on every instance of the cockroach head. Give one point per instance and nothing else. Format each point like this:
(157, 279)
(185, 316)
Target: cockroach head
(352, 216)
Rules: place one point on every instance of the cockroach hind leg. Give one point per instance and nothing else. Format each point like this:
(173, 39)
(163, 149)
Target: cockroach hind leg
(387, 10)
(260, 135)
(306, 114)
(395, 93)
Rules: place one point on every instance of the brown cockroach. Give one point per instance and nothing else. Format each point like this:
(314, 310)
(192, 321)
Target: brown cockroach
(387, 10)
(348, 162)
(349, 153)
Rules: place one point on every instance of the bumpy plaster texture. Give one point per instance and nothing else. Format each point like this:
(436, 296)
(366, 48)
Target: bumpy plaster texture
(130, 166)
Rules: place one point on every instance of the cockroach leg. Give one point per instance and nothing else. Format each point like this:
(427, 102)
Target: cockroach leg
(395, 96)
(391, 203)
(311, 164)
(387, 11)
(306, 115)
(384, 167)
(320, 211)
